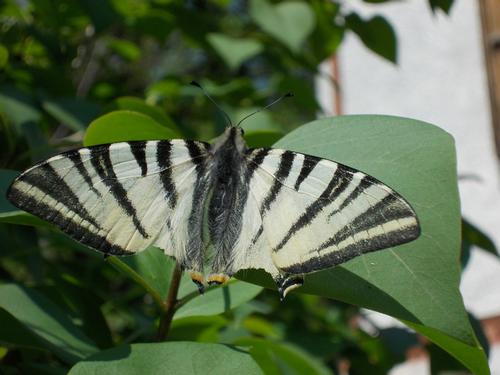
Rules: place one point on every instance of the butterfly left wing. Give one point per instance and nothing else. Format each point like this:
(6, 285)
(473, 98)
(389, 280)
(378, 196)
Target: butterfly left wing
(316, 213)
(118, 198)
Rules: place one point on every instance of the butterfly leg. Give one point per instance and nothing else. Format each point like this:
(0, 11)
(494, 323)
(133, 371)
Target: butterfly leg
(198, 279)
(193, 264)
(288, 282)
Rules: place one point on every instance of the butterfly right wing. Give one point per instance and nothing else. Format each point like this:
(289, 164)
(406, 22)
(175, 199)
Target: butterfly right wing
(118, 198)
(305, 214)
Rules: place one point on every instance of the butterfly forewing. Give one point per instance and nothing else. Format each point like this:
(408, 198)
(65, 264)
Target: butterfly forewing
(115, 198)
(317, 213)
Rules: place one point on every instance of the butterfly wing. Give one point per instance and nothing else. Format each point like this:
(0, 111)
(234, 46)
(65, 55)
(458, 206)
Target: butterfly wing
(116, 198)
(316, 213)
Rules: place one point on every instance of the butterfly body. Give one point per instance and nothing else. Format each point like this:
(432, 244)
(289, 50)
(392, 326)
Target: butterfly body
(217, 208)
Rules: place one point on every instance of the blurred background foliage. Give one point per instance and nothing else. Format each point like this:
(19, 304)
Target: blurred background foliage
(69, 63)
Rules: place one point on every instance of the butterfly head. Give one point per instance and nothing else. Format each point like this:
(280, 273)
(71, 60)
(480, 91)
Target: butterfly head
(231, 138)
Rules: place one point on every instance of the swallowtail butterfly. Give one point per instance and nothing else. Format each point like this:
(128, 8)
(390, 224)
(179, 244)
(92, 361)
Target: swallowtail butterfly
(278, 210)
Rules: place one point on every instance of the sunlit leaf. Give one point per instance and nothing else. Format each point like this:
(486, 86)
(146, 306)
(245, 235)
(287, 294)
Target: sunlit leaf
(120, 126)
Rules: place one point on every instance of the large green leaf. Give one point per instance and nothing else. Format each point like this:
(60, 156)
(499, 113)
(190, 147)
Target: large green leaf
(119, 126)
(46, 321)
(289, 22)
(418, 281)
(169, 358)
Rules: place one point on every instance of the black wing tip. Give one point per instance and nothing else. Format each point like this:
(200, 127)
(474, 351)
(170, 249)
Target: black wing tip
(13, 194)
(288, 283)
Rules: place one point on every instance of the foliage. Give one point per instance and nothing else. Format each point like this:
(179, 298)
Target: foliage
(88, 72)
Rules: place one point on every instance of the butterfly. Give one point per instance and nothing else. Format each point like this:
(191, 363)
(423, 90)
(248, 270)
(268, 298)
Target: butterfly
(220, 207)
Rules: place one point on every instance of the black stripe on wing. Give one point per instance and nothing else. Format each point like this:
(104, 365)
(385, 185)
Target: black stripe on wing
(164, 160)
(257, 159)
(258, 156)
(138, 149)
(284, 168)
(334, 258)
(76, 158)
(307, 166)
(388, 209)
(46, 179)
(75, 230)
(101, 161)
(338, 183)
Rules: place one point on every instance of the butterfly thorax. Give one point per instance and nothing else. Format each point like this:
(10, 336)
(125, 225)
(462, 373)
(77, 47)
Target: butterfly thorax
(228, 195)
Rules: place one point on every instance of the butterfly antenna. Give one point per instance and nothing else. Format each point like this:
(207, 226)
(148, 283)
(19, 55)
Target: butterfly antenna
(287, 95)
(194, 83)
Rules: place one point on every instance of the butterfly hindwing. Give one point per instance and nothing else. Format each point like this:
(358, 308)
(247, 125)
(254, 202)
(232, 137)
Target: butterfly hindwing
(115, 198)
(317, 213)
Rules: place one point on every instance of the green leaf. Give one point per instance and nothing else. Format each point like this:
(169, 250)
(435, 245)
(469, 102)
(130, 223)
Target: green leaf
(125, 48)
(260, 129)
(444, 5)
(289, 22)
(6, 178)
(169, 358)
(197, 328)
(156, 23)
(138, 105)
(219, 300)
(82, 305)
(120, 126)
(73, 112)
(19, 107)
(472, 235)
(418, 281)
(154, 267)
(101, 12)
(15, 334)
(45, 320)
(281, 358)
(262, 138)
(376, 33)
(234, 51)
(4, 56)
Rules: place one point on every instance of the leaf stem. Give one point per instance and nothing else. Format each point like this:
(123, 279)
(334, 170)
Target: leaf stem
(170, 303)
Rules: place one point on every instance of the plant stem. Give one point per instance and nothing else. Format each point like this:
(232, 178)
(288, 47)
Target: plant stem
(123, 267)
(170, 303)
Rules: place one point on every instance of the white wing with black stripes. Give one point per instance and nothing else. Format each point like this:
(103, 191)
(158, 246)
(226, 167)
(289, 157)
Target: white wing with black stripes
(313, 213)
(117, 198)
